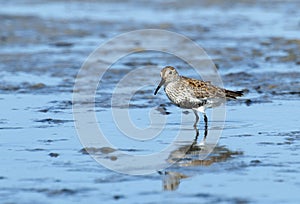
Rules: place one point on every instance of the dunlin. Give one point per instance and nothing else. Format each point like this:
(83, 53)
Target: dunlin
(193, 94)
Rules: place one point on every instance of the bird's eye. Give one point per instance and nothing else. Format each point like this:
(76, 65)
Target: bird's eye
(170, 72)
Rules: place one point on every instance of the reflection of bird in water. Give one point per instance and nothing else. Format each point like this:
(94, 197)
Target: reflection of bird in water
(196, 155)
(171, 179)
(193, 94)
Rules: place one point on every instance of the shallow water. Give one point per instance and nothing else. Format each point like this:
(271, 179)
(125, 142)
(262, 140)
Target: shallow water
(255, 47)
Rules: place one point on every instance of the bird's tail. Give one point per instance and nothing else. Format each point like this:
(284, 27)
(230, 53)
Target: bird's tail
(233, 94)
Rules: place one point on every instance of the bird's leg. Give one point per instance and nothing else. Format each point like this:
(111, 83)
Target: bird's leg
(205, 120)
(197, 133)
(195, 126)
(197, 118)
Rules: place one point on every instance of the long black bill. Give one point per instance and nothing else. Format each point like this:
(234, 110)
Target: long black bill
(159, 85)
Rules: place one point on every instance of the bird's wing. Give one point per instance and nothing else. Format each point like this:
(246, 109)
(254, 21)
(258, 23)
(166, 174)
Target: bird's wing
(203, 89)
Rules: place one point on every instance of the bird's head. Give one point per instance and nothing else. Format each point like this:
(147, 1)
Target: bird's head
(168, 74)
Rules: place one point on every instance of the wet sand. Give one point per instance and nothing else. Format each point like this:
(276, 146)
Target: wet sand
(255, 47)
